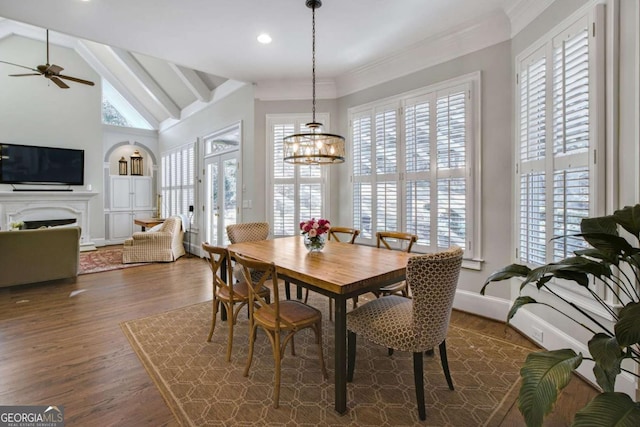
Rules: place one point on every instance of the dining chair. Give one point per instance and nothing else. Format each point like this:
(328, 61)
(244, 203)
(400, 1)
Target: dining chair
(382, 239)
(349, 235)
(227, 293)
(246, 232)
(415, 325)
(345, 232)
(287, 316)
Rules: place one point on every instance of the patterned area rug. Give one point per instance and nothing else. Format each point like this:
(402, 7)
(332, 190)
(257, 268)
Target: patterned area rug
(102, 260)
(201, 388)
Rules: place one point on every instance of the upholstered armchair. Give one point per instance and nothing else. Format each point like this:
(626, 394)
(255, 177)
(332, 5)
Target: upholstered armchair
(164, 245)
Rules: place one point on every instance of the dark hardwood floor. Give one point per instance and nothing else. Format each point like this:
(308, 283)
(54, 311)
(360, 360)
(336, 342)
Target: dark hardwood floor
(61, 344)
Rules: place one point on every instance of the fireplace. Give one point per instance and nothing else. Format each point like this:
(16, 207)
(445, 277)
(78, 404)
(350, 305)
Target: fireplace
(43, 208)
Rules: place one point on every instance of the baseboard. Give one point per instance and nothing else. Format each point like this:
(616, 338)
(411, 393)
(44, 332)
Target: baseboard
(535, 327)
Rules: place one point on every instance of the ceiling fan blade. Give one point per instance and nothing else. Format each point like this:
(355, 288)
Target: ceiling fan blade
(77, 80)
(23, 75)
(55, 69)
(18, 65)
(59, 82)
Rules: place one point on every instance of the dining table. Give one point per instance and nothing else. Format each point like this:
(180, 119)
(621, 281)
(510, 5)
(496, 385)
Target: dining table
(340, 271)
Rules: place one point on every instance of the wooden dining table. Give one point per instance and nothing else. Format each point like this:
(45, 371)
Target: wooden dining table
(340, 271)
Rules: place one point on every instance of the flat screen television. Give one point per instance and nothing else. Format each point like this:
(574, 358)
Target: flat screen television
(27, 164)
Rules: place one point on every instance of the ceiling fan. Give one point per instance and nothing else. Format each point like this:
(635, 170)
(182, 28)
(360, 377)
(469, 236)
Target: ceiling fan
(49, 71)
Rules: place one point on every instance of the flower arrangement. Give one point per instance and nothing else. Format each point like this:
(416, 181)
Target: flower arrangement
(314, 232)
(17, 225)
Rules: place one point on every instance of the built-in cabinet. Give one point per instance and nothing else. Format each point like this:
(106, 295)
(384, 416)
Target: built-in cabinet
(131, 197)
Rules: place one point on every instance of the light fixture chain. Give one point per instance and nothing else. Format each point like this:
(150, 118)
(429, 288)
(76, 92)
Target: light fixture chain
(313, 60)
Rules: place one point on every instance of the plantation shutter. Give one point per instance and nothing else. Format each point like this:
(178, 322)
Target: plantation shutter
(362, 139)
(178, 179)
(386, 168)
(297, 191)
(450, 160)
(570, 137)
(560, 127)
(533, 122)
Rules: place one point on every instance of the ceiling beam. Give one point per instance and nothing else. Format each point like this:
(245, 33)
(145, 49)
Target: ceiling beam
(193, 82)
(147, 82)
(85, 53)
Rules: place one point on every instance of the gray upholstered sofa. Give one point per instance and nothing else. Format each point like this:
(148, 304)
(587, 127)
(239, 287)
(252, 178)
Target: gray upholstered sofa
(29, 256)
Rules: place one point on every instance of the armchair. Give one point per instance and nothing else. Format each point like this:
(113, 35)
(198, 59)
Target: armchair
(164, 245)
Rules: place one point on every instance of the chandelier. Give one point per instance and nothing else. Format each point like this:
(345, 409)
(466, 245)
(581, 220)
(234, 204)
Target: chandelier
(313, 147)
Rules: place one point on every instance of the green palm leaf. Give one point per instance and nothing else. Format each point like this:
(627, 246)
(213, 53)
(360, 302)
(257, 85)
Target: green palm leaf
(609, 409)
(513, 270)
(544, 374)
(627, 328)
(629, 219)
(518, 303)
(608, 355)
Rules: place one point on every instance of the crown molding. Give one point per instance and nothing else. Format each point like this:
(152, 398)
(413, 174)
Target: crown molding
(455, 42)
(523, 12)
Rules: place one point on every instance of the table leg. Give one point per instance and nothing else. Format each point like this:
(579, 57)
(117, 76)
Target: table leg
(340, 356)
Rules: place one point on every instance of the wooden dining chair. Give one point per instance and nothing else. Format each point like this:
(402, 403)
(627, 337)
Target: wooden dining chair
(226, 292)
(383, 239)
(348, 235)
(246, 232)
(287, 317)
(415, 325)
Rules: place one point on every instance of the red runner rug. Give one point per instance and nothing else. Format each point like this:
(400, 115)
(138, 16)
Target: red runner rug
(102, 260)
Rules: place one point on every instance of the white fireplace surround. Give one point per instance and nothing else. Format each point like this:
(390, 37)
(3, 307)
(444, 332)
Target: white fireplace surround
(48, 205)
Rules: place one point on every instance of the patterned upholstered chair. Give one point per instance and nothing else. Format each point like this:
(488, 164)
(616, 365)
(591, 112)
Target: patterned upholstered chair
(226, 293)
(416, 325)
(246, 232)
(287, 317)
(164, 245)
(382, 239)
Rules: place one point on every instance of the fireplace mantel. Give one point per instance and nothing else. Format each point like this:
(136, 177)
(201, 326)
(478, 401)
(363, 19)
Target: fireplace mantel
(47, 205)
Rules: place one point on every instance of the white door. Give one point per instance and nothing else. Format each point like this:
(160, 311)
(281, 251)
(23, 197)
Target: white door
(221, 173)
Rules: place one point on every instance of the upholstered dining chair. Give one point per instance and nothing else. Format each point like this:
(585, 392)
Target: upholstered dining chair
(246, 232)
(227, 293)
(276, 318)
(415, 325)
(382, 239)
(349, 235)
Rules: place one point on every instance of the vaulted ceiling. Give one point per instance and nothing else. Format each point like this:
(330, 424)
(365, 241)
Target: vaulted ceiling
(165, 57)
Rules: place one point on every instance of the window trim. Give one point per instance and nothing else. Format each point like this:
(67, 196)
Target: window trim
(473, 254)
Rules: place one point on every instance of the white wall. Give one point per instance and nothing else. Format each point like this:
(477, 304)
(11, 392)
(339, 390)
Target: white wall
(34, 111)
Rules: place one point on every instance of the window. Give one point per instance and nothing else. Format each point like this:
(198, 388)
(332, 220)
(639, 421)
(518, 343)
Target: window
(413, 166)
(297, 192)
(117, 111)
(559, 108)
(178, 180)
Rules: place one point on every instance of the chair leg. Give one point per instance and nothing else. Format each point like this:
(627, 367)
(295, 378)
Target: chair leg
(330, 309)
(351, 355)
(252, 338)
(318, 330)
(418, 380)
(231, 322)
(277, 359)
(214, 313)
(445, 363)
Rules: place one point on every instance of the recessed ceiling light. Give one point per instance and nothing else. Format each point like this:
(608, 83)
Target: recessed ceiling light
(264, 38)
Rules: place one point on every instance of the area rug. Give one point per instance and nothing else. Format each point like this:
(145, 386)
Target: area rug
(102, 260)
(202, 388)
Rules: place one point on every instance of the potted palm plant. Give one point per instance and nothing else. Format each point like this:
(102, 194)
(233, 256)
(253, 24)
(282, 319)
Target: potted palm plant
(614, 262)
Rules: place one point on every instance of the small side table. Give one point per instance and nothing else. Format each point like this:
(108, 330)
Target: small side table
(148, 222)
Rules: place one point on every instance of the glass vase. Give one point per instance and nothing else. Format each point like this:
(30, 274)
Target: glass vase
(315, 244)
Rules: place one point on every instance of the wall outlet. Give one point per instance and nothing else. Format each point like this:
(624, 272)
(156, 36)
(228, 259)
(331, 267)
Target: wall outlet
(537, 334)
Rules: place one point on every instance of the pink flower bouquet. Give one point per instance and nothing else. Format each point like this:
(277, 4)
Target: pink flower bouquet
(314, 232)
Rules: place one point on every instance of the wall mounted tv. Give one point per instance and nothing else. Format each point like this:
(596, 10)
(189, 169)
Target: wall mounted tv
(27, 164)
